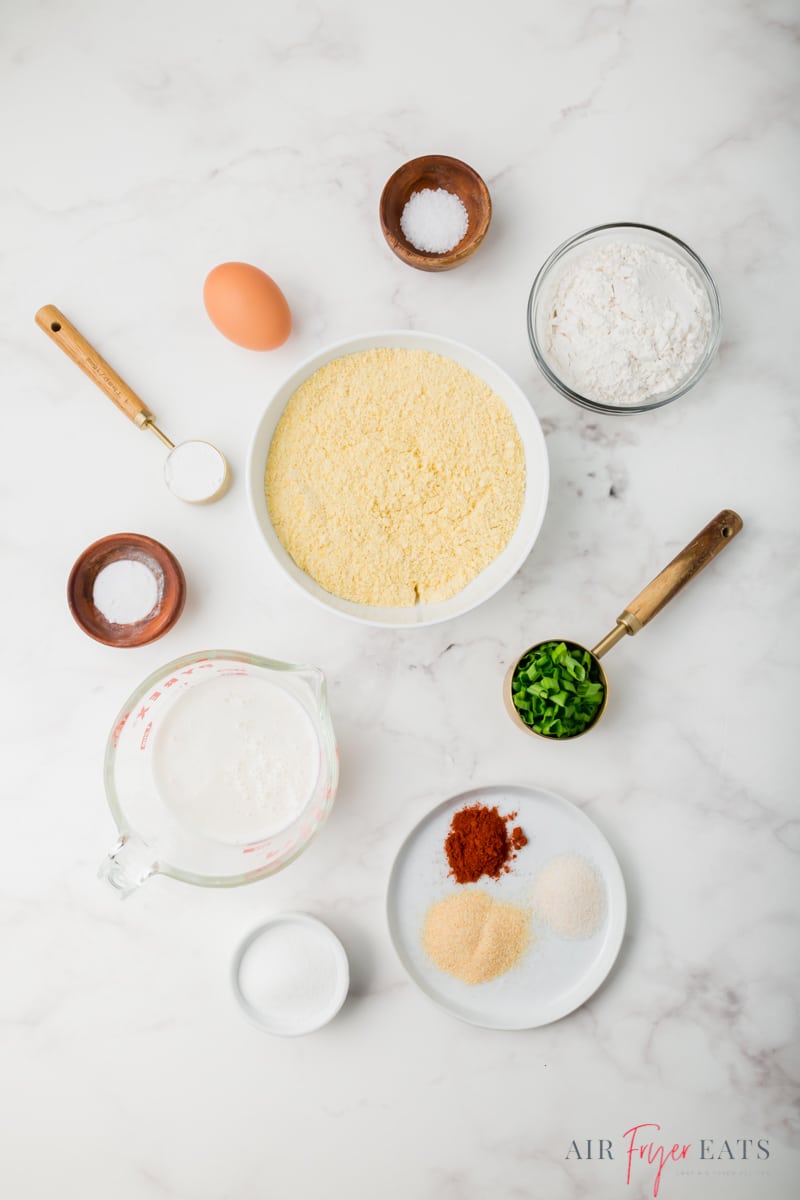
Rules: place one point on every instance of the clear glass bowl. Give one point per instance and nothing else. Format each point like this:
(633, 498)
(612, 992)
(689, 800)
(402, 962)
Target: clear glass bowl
(551, 272)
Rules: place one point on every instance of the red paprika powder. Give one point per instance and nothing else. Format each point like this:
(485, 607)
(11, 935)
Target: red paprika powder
(479, 843)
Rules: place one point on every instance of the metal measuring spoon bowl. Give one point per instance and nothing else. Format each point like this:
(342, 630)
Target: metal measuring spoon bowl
(196, 472)
(708, 543)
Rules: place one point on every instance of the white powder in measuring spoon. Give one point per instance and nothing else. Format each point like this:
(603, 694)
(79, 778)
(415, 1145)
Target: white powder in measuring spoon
(625, 323)
(196, 472)
(125, 591)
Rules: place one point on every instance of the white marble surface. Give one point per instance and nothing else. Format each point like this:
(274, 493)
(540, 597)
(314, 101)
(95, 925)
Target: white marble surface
(142, 144)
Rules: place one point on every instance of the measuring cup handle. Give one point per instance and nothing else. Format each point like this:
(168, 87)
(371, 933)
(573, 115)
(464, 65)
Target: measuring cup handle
(128, 865)
(684, 566)
(84, 355)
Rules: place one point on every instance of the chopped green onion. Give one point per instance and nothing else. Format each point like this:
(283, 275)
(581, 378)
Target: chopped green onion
(558, 689)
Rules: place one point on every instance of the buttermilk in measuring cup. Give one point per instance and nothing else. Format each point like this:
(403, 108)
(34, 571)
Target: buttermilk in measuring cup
(236, 759)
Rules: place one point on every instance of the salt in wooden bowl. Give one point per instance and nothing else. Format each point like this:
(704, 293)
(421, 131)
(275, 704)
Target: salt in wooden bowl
(434, 171)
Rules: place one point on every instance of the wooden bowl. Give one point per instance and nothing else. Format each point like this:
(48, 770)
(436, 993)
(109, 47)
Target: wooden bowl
(435, 171)
(158, 559)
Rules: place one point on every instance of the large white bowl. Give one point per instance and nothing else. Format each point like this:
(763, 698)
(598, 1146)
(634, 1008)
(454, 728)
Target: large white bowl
(537, 475)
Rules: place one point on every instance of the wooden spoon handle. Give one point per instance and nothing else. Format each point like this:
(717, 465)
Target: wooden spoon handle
(700, 551)
(84, 355)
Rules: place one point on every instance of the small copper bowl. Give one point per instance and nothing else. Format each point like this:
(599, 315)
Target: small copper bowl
(170, 583)
(435, 171)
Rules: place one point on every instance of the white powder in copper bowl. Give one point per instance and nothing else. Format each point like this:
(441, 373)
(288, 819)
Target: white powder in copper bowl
(569, 896)
(125, 591)
(625, 323)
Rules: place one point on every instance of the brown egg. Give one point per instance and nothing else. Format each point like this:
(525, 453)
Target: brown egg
(247, 306)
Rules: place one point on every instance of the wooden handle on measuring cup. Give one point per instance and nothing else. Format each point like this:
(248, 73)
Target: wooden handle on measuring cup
(684, 566)
(84, 355)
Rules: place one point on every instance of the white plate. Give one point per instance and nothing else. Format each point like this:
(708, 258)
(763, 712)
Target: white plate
(555, 976)
(501, 569)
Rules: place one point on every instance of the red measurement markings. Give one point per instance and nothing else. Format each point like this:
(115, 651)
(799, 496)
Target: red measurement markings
(118, 728)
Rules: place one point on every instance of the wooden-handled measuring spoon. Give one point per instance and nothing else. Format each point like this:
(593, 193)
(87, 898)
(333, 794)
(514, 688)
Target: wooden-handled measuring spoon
(194, 471)
(706, 545)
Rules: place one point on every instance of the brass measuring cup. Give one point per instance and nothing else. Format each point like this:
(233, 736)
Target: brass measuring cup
(689, 562)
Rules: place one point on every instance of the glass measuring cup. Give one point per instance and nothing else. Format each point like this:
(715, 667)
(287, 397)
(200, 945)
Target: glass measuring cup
(153, 840)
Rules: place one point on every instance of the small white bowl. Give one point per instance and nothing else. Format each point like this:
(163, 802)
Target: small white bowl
(274, 985)
(498, 572)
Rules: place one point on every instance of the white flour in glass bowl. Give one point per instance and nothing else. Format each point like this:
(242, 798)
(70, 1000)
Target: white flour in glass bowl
(625, 322)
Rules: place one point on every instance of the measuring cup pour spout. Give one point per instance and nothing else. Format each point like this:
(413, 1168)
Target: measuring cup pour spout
(128, 865)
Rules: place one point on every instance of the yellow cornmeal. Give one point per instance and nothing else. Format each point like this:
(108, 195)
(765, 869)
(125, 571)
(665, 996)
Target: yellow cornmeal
(474, 937)
(394, 476)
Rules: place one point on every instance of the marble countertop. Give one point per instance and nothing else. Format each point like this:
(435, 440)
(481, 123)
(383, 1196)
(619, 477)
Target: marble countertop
(143, 145)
